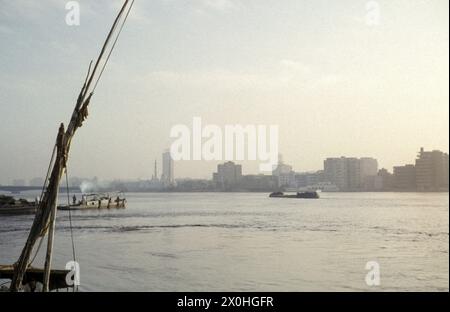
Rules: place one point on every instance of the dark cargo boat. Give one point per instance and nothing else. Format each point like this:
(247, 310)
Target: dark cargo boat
(306, 195)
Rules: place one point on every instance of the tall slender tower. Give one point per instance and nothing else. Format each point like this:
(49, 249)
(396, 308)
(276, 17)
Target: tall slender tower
(155, 172)
(167, 174)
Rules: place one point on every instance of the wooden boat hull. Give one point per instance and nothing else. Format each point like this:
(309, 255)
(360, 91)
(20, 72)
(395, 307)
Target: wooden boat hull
(57, 277)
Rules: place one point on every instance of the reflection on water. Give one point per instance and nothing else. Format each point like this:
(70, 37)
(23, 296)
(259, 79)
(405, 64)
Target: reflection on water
(249, 242)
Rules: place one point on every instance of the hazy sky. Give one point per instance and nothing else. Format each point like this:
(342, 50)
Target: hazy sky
(335, 85)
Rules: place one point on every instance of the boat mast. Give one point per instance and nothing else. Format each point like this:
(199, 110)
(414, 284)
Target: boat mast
(44, 220)
(51, 234)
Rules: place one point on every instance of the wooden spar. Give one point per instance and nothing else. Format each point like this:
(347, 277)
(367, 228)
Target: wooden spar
(41, 220)
(48, 257)
(51, 235)
(46, 212)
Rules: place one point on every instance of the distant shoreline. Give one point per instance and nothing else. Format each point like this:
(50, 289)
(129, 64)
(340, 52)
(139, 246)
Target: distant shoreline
(16, 190)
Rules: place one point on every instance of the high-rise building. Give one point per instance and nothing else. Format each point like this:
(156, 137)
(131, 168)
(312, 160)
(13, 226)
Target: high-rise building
(368, 167)
(259, 183)
(284, 174)
(353, 173)
(404, 178)
(167, 177)
(432, 171)
(349, 173)
(335, 172)
(305, 179)
(228, 176)
(386, 179)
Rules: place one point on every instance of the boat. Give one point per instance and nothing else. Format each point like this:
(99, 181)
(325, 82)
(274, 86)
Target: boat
(34, 277)
(304, 195)
(22, 275)
(11, 206)
(96, 201)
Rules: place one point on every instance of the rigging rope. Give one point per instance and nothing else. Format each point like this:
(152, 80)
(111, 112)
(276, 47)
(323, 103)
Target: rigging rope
(70, 222)
(82, 103)
(52, 158)
(48, 171)
(96, 83)
(113, 45)
(55, 146)
(70, 217)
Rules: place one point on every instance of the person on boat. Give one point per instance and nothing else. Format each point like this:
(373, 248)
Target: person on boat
(74, 199)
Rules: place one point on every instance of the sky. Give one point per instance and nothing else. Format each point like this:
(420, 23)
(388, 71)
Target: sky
(334, 83)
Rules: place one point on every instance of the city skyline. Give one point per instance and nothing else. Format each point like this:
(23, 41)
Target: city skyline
(335, 170)
(236, 146)
(334, 84)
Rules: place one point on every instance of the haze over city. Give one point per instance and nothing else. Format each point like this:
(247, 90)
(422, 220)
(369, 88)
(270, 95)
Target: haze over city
(236, 146)
(335, 85)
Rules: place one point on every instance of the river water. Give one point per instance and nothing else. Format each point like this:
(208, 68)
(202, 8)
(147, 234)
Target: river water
(249, 242)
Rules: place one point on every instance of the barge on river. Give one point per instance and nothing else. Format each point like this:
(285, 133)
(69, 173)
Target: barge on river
(305, 195)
